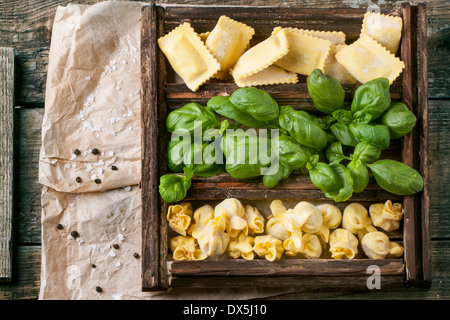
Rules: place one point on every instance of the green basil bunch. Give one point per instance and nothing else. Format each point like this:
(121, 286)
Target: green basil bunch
(326, 92)
(375, 134)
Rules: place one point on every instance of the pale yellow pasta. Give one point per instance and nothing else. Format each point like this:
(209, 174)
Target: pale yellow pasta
(227, 42)
(186, 248)
(293, 244)
(232, 212)
(268, 247)
(189, 56)
(255, 220)
(268, 76)
(202, 216)
(335, 37)
(213, 240)
(306, 53)
(324, 235)
(307, 217)
(386, 215)
(366, 59)
(277, 208)
(204, 35)
(385, 29)
(333, 68)
(343, 244)
(241, 246)
(332, 216)
(179, 217)
(376, 245)
(261, 56)
(311, 246)
(276, 227)
(356, 220)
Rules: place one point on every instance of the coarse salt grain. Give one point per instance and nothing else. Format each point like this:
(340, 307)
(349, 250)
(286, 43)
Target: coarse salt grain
(127, 188)
(117, 296)
(80, 240)
(112, 253)
(120, 237)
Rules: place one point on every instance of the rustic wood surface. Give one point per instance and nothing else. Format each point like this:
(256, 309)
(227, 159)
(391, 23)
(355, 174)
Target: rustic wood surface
(6, 160)
(26, 26)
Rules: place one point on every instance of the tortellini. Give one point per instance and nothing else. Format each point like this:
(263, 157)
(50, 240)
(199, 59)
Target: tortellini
(268, 247)
(332, 216)
(356, 220)
(255, 220)
(209, 231)
(179, 217)
(343, 244)
(186, 248)
(232, 212)
(241, 246)
(376, 245)
(305, 231)
(386, 215)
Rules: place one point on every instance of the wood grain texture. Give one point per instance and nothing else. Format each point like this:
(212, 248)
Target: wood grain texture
(6, 160)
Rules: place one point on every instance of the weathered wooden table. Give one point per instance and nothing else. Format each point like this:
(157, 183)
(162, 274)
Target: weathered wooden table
(26, 26)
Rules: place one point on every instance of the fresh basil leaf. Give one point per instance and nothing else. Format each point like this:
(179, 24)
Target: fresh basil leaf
(223, 106)
(334, 153)
(201, 166)
(373, 98)
(324, 177)
(326, 92)
(191, 118)
(255, 102)
(365, 152)
(375, 134)
(360, 175)
(174, 187)
(302, 128)
(343, 134)
(399, 119)
(396, 177)
(176, 151)
(346, 182)
(272, 180)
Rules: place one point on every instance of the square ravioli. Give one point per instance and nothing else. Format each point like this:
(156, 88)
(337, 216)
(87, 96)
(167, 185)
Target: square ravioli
(385, 29)
(335, 69)
(261, 56)
(227, 42)
(366, 59)
(306, 53)
(335, 37)
(188, 56)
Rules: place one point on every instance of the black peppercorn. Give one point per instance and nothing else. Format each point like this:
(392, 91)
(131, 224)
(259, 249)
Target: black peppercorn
(98, 289)
(113, 167)
(93, 265)
(78, 179)
(136, 255)
(76, 151)
(74, 234)
(59, 226)
(95, 151)
(116, 246)
(98, 181)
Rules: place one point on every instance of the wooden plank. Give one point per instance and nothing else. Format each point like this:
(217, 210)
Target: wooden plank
(154, 277)
(6, 160)
(422, 94)
(410, 144)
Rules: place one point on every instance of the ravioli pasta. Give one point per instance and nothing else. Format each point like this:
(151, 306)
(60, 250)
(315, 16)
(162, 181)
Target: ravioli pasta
(385, 29)
(366, 59)
(188, 56)
(227, 42)
(333, 68)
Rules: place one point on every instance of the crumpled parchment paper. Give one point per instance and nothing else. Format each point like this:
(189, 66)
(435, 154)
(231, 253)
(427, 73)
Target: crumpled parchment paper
(93, 101)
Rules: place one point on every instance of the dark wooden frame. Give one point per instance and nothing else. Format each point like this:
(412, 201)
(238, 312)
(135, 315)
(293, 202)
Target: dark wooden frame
(159, 95)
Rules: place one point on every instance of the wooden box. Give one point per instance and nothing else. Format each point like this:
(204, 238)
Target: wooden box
(163, 91)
